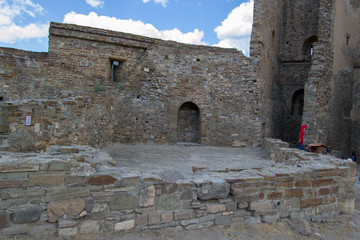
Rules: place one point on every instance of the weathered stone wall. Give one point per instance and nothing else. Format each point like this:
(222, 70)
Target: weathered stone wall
(299, 29)
(355, 137)
(81, 120)
(265, 51)
(72, 190)
(141, 105)
(344, 82)
(317, 52)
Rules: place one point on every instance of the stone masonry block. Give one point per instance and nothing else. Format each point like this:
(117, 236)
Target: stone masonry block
(183, 214)
(261, 205)
(9, 184)
(147, 196)
(123, 226)
(123, 201)
(322, 182)
(313, 202)
(67, 231)
(142, 220)
(303, 183)
(153, 218)
(188, 222)
(168, 202)
(58, 166)
(214, 190)
(294, 192)
(271, 218)
(231, 206)
(101, 180)
(91, 226)
(27, 215)
(66, 193)
(4, 220)
(167, 217)
(215, 208)
(72, 207)
(75, 180)
(46, 179)
(222, 220)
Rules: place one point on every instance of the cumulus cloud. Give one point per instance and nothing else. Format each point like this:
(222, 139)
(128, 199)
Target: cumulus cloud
(235, 30)
(134, 27)
(163, 2)
(12, 9)
(95, 3)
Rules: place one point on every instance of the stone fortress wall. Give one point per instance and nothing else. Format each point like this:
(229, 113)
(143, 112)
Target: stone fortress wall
(77, 190)
(70, 96)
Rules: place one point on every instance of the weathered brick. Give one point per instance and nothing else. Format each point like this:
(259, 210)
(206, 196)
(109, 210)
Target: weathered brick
(274, 195)
(322, 182)
(303, 183)
(284, 179)
(4, 220)
(324, 191)
(101, 180)
(289, 193)
(313, 202)
(9, 184)
(285, 184)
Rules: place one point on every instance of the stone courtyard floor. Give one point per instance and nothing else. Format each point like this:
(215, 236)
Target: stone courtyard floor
(183, 158)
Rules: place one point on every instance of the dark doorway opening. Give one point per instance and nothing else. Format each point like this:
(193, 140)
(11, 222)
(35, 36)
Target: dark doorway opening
(297, 103)
(188, 123)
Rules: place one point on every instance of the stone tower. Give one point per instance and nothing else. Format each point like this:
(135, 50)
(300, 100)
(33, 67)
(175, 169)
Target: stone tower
(308, 58)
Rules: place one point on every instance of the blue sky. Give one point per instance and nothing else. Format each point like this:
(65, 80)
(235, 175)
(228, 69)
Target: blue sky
(227, 23)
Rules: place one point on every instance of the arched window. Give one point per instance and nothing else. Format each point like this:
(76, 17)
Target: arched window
(297, 103)
(308, 48)
(188, 123)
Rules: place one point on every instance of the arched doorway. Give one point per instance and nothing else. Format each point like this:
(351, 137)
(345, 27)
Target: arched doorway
(293, 118)
(297, 103)
(188, 123)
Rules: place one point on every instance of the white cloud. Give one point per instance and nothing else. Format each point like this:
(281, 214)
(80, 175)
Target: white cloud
(163, 2)
(12, 9)
(11, 33)
(95, 3)
(134, 27)
(235, 30)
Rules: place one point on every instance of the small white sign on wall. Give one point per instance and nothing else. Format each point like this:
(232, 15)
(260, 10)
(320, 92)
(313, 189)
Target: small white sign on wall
(27, 120)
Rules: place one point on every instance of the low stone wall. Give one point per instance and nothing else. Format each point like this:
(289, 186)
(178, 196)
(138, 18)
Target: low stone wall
(75, 190)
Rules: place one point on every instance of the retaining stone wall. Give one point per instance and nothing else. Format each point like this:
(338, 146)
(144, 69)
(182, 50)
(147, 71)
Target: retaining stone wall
(74, 190)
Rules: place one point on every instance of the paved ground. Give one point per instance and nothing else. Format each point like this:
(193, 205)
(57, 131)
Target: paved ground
(183, 157)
